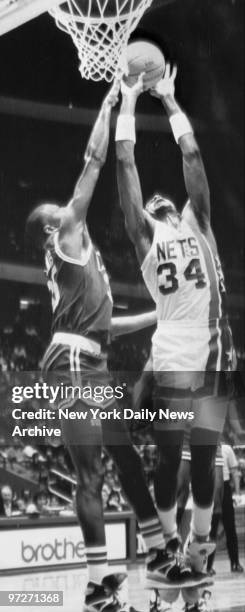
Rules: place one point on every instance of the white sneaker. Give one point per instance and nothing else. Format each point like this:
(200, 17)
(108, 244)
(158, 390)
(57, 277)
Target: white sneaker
(197, 553)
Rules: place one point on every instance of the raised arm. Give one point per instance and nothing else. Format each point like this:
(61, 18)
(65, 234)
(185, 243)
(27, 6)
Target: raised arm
(234, 423)
(130, 194)
(127, 325)
(95, 157)
(194, 172)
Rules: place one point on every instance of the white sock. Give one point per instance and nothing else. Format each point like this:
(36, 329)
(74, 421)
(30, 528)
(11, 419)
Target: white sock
(200, 522)
(97, 562)
(168, 522)
(152, 534)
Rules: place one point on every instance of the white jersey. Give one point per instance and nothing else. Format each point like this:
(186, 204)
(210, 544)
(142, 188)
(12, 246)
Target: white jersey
(185, 280)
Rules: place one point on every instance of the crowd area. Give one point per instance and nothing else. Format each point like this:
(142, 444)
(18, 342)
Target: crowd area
(48, 492)
(111, 240)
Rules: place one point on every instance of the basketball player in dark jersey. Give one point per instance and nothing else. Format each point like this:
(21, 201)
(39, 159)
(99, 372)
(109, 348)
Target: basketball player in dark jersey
(180, 265)
(77, 357)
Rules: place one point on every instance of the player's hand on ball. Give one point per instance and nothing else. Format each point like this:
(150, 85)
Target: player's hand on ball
(165, 86)
(135, 90)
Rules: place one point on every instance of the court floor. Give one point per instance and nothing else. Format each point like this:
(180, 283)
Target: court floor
(228, 592)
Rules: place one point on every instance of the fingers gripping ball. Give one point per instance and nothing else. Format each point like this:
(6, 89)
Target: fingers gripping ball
(143, 56)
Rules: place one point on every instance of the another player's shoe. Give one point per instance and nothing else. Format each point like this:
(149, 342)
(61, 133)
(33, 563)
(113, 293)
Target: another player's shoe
(95, 594)
(237, 567)
(102, 593)
(116, 589)
(181, 569)
(197, 553)
(158, 560)
(170, 566)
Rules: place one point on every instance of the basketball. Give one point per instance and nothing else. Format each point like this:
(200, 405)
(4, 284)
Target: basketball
(143, 56)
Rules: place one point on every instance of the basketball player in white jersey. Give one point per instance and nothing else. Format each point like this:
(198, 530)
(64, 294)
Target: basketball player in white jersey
(180, 265)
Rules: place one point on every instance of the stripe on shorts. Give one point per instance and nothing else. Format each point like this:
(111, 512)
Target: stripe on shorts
(215, 311)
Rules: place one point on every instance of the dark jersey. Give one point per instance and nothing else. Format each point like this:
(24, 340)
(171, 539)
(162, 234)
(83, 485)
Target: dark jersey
(80, 291)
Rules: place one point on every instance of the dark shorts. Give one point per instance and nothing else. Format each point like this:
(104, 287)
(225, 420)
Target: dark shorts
(85, 386)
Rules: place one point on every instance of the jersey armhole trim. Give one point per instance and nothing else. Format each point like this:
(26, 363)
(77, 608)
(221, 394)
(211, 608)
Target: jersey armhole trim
(78, 262)
(194, 221)
(145, 260)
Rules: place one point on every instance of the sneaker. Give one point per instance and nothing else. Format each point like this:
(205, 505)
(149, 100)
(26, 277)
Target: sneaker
(197, 553)
(101, 593)
(115, 606)
(236, 567)
(111, 607)
(86, 608)
(113, 582)
(186, 579)
(95, 594)
(180, 569)
(160, 558)
(117, 590)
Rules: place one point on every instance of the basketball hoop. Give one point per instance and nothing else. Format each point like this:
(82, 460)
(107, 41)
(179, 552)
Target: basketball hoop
(100, 29)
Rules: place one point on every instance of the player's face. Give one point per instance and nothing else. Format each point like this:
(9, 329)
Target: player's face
(160, 207)
(52, 216)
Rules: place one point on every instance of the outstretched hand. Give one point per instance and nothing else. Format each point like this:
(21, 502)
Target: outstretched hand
(165, 86)
(135, 90)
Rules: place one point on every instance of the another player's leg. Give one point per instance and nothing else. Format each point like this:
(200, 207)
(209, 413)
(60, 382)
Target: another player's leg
(228, 517)
(131, 475)
(184, 479)
(169, 439)
(86, 457)
(203, 478)
(210, 415)
(217, 512)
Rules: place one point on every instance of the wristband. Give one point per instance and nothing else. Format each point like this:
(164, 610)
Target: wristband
(125, 129)
(180, 125)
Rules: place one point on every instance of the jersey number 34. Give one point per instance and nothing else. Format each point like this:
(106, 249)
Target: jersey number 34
(167, 275)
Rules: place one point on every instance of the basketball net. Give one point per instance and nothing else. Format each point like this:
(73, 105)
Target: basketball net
(100, 29)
